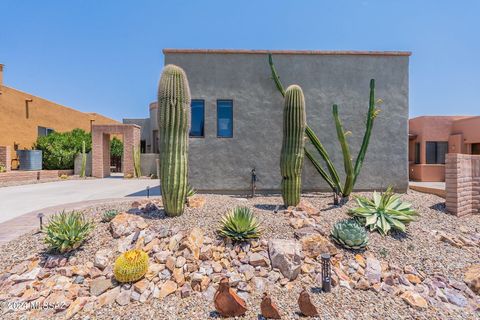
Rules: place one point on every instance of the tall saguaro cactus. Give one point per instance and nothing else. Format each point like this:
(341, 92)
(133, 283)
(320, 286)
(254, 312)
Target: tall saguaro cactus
(173, 123)
(291, 158)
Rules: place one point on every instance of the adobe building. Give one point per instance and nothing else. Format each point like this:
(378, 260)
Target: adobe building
(24, 117)
(432, 137)
(236, 122)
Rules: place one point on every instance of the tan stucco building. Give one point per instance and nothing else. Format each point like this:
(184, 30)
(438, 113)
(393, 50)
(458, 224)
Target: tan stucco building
(432, 137)
(23, 117)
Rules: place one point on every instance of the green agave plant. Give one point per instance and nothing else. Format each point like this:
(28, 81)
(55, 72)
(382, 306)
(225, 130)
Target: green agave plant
(67, 231)
(109, 215)
(350, 234)
(240, 224)
(190, 191)
(384, 212)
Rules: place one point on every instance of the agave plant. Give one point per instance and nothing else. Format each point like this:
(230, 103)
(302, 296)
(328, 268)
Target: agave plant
(350, 234)
(240, 224)
(190, 191)
(384, 212)
(109, 215)
(67, 231)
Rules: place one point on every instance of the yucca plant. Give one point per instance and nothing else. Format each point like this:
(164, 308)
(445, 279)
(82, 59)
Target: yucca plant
(84, 161)
(350, 234)
(136, 162)
(109, 215)
(67, 231)
(240, 224)
(384, 212)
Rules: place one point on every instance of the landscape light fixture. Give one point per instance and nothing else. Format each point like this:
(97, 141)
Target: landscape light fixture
(326, 273)
(335, 197)
(40, 217)
(148, 191)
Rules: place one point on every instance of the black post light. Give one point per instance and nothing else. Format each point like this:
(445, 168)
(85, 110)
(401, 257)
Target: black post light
(148, 191)
(254, 180)
(326, 273)
(40, 217)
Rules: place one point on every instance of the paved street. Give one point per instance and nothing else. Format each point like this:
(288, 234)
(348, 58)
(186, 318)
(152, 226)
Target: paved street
(18, 200)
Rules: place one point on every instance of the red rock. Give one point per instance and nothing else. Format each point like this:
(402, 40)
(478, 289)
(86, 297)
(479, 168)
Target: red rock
(227, 302)
(306, 306)
(268, 308)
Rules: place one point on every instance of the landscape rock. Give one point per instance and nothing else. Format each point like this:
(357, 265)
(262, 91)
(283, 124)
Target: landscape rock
(315, 244)
(256, 259)
(75, 307)
(123, 297)
(285, 255)
(196, 201)
(268, 308)
(99, 286)
(414, 300)
(472, 278)
(101, 259)
(307, 308)
(373, 270)
(125, 224)
(167, 288)
(195, 241)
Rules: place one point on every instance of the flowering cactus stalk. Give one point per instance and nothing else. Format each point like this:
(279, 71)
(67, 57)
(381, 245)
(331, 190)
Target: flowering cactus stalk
(291, 158)
(173, 123)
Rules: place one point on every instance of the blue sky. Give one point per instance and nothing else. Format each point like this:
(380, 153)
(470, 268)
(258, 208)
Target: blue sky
(105, 56)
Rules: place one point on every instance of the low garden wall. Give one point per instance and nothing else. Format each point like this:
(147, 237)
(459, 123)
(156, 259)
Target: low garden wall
(462, 183)
(17, 176)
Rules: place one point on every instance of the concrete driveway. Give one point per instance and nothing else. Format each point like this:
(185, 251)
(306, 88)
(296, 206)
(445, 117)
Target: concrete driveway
(18, 200)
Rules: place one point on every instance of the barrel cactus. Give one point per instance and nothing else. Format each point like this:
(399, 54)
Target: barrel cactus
(291, 158)
(131, 266)
(174, 125)
(350, 234)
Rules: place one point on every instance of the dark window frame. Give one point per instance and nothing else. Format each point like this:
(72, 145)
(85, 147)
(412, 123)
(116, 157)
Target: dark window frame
(190, 133)
(435, 146)
(233, 115)
(417, 159)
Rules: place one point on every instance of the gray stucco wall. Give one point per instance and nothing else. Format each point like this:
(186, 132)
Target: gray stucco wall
(225, 164)
(148, 164)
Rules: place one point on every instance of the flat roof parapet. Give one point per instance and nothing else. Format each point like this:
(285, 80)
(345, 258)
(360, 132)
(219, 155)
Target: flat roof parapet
(298, 52)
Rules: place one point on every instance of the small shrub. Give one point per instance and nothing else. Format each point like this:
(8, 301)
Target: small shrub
(384, 212)
(3, 169)
(350, 234)
(131, 266)
(64, 177)
(67, 231)
(240, 224)
(190, 191)
(109, 215)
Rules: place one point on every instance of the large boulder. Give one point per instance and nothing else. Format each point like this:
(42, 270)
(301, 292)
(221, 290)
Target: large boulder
(125, 224)
(285, 255)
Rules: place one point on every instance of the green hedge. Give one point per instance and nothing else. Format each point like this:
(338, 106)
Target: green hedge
(60, 148)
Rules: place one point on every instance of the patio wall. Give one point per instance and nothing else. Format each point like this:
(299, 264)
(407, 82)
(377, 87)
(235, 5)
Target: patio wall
(462, 179)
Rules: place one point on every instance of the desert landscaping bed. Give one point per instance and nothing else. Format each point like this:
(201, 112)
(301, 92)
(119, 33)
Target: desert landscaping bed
(419, 274)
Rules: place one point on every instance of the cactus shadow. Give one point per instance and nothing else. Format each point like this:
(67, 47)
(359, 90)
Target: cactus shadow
(269, 207)
(440, 207)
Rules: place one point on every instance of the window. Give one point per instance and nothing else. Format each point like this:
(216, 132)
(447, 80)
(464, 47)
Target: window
(436, 151)
(417, 152)
(42, 131)
(475, 148)
(197, 126)
(225, 118)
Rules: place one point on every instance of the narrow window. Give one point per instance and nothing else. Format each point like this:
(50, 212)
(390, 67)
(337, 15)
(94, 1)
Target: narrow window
(436, 151)
(225, 118)
(417, 152)
(197, 126)
(42, 131)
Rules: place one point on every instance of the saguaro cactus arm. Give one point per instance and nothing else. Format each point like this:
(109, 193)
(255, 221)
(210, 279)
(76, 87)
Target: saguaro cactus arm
(275, 76)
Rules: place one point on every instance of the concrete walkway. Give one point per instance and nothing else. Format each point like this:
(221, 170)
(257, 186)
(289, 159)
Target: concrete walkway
(436, 188)
(18, 200)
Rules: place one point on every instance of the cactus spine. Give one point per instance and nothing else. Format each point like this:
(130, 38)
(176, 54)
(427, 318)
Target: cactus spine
(84, 161)
(291, 158)
(131, 266)
(173, 123)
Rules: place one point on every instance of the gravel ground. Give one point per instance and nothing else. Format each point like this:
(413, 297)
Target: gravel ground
(417, 247)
